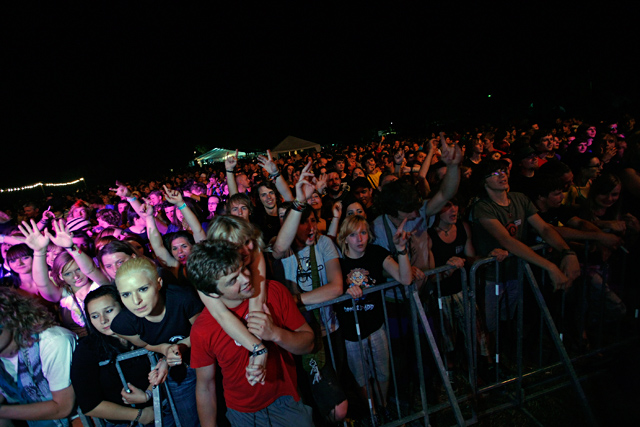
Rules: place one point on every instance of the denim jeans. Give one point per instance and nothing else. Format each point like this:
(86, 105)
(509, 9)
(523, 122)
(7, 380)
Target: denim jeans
(184, 398)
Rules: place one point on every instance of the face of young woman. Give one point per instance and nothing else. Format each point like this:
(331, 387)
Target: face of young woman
(607, 200)
(449, 213)
(21, 265)
(112, 263)
(357, 241)
(101, 312)
(212, 204)
(355, 209)
(73, 276)
(307, 230)
(314, 201)
(246, 250)
(140, 294)
(180, 249)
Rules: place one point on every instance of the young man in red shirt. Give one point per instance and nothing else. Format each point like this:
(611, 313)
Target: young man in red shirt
(217, 271)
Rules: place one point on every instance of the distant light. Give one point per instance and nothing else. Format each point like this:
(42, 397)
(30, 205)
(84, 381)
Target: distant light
(531, 105)
(391, 122)
(489, 96)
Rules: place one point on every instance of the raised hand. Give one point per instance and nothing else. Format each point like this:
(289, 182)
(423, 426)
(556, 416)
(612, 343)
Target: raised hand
(267, 163)
(321, 183)
(230, 162)
(63, 237)
(398, 157)
(121, 190)
(173, 196)
(451, 154)
(145, 211)
(33, 238)
(305, 188)
(337, 209)
(401, 237)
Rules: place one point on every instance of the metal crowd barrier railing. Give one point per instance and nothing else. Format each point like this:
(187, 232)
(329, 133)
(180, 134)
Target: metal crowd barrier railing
(157, 399)
(423, 332)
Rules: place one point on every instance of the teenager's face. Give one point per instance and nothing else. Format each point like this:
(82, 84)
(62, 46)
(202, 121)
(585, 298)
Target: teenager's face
(363, 195)
(357, 173)
(181, 249)
(155, 199)
(314, 201)
(497, 181)
(607, 200)
(236, 286)
(355, 209)
(73, 276)
(307, 231)
(170, 212)
(22, 265)
(112, 263)
(593, 169)
(449, 213)
(101, 312)
(212, 204)
(267, 197)
(357, 241)
(140, 294)
(240, 210)
(555, 198)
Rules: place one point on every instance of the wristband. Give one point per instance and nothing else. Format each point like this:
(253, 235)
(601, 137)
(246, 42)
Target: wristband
(37, 254)
(566, 252)
(298, 206)
(273, 176)
(137, 417)
(257, 352)
(182, 206)
(402, 252)
(230, 171)
(131, 199)
(149, 394)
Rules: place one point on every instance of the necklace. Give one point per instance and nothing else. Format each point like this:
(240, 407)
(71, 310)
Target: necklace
(446, 232)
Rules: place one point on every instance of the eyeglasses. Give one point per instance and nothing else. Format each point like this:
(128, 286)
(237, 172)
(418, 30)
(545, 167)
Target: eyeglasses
(496, 173)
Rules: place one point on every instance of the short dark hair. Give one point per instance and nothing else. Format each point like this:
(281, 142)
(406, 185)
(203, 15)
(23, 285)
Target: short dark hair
(209, 261)
(399, 196)
(241, 199)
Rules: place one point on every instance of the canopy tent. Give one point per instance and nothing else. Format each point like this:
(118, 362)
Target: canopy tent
(293, 145)
(217, 155)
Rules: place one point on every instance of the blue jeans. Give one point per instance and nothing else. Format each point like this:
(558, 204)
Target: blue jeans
(184, 398)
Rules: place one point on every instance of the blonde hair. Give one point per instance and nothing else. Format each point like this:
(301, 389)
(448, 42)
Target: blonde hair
(137, 265)
(235, 230)
(349, 225)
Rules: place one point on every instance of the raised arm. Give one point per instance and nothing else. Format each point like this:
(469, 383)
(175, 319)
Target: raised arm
(424, 169)
(334, 225)
(155, 238)
(287, 232)
(40, 272)
(123, 192)
(269, 165)
(230, 163)
(401, 270)
(63, 238)
(451, 156)
(174, 197)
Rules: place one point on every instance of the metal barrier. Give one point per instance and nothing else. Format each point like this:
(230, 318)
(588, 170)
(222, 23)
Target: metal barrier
(157, 401)
(423, 333)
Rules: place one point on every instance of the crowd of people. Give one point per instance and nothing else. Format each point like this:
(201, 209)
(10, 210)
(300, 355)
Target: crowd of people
(212, 268)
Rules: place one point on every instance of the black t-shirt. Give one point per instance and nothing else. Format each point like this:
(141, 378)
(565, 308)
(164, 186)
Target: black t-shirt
(269, 225)
(366, 272)
(443, 251)
(94, 383)
(181, 305)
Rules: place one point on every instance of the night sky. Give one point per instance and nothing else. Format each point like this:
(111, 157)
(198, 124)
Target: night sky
(122, 90)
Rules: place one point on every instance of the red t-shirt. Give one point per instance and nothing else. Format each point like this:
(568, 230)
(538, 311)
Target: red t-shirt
(211, 344)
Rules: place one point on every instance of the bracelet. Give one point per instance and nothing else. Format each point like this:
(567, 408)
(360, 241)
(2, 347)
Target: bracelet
(182, 206)
(298, 206)
(273, 176)
(231, 171)
(149, 394)
(257, 352)
(402, 252)
(37, 254)
(137, 417)
(131, 199)
(566, 252)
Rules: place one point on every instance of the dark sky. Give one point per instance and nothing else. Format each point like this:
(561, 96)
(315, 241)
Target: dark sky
(118, 88)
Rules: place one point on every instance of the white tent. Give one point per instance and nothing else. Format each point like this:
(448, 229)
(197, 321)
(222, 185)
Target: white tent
(292, 145)
(217, 155)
